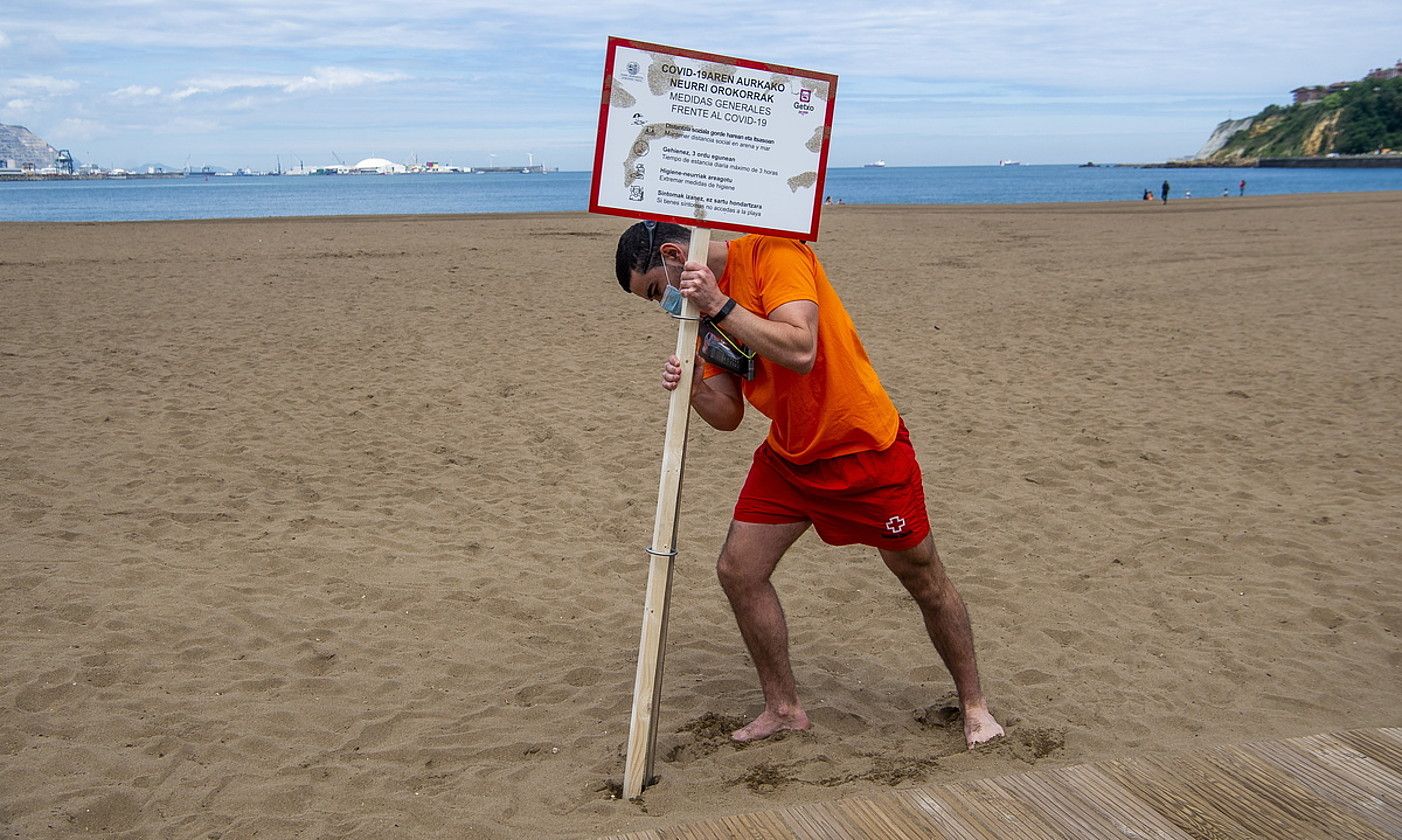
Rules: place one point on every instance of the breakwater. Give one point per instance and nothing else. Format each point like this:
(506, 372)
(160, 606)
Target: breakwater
(1332, 162)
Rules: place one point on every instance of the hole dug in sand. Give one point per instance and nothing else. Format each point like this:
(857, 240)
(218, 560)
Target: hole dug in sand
(941, 715)
(611, 789)
(709, 733)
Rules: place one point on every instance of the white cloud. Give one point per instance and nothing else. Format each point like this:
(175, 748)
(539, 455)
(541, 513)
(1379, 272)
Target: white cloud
(37, 86)
(4, 40)
(220, 84)
(16, 108)
(333, 78)
(75, 128)
(136, 92)
(321, 79)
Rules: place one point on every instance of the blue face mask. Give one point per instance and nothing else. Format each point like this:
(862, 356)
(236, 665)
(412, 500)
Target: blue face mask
(672, 300)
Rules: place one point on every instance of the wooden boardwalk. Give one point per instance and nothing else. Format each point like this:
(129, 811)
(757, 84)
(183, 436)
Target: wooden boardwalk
(1341, 785)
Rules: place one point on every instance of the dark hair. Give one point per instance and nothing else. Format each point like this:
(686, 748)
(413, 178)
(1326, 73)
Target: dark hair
(640, 249)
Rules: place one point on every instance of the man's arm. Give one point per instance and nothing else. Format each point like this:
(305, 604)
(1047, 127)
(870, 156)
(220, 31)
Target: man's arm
(717, 399)
(789, 336)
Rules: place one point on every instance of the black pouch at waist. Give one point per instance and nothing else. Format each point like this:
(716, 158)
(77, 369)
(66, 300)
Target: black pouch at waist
(725, 352)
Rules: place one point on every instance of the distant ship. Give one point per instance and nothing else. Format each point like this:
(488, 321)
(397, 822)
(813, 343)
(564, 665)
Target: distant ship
(1010, 163)
(876, 164)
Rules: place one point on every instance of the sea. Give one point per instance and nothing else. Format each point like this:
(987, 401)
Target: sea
(218, 197)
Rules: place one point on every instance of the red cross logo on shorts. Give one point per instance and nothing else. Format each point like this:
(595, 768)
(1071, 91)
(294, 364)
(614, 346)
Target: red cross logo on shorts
(895, 524)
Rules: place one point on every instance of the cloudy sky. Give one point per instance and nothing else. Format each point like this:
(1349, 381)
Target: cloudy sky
(240, 82)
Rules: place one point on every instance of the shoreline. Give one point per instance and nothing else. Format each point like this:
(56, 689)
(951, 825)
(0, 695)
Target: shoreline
(1245, 202)
(1389, 161)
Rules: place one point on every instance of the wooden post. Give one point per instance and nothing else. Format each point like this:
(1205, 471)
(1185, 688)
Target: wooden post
(647, 686)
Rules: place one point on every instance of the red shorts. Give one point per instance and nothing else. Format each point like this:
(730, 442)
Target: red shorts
(872, 498)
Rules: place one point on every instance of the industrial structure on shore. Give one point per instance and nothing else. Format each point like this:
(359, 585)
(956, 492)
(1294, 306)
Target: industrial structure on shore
(24, 156)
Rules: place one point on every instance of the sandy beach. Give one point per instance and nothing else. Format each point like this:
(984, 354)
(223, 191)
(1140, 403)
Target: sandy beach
(335, 527)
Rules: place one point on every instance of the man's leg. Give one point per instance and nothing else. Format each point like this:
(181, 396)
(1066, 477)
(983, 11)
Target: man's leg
(947, 622)
(746, 561)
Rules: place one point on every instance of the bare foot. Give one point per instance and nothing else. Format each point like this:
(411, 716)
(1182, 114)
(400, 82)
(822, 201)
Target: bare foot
(980, 727)
(770, 723)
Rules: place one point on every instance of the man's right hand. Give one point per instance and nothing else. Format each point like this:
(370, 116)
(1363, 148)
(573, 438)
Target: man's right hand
(672, 373)
(717, 399)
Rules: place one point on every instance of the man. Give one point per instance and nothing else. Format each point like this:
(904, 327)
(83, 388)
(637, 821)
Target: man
(1163, 191)
(837, 457)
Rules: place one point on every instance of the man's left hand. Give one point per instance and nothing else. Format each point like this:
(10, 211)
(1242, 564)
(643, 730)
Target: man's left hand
(698, 285)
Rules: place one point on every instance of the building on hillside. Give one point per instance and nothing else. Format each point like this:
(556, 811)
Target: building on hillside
(1379, 74)
(1312, 93)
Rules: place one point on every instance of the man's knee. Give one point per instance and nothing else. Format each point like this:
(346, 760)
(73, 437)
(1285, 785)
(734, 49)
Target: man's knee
(729, 570)
(751, 552)
(915, 560)
(918, 568)
(732, 571)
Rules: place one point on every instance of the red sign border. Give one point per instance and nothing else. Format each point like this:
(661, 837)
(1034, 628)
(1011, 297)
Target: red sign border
(614, 43)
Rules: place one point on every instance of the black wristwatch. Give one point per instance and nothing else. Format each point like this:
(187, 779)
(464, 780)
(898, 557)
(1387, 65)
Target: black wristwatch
(723, 311)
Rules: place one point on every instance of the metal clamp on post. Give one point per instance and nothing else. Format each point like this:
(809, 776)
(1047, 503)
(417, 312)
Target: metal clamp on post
(672, 553)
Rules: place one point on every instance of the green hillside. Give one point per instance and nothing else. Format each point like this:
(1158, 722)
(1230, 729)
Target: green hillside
(1363, 119)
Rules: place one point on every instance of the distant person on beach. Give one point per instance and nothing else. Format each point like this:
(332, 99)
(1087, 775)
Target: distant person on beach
(1226, 193)
(838, 456)
(1163, 191)
(1241, 187)
(1148, 194)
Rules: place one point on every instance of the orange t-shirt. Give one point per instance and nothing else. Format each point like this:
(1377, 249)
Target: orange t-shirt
(839, 407)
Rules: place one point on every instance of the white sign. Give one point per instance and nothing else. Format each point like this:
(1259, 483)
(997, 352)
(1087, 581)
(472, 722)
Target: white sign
(703, 139)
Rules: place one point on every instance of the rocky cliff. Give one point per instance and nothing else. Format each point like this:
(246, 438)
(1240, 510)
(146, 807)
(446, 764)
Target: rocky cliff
(1224, 131)
(22, 146)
